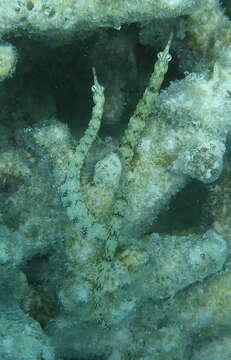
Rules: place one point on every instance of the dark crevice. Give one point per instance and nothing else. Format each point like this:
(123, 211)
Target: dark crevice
(185, 213)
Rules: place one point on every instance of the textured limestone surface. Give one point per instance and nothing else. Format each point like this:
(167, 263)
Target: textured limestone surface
(57, 17)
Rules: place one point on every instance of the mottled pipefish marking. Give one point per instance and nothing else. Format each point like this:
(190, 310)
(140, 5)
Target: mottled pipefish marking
(71, 194)
(83, 222)
(131, 137)
(145, 105)
(130, 140)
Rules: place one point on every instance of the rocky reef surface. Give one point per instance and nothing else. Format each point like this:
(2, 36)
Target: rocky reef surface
(115, 237)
